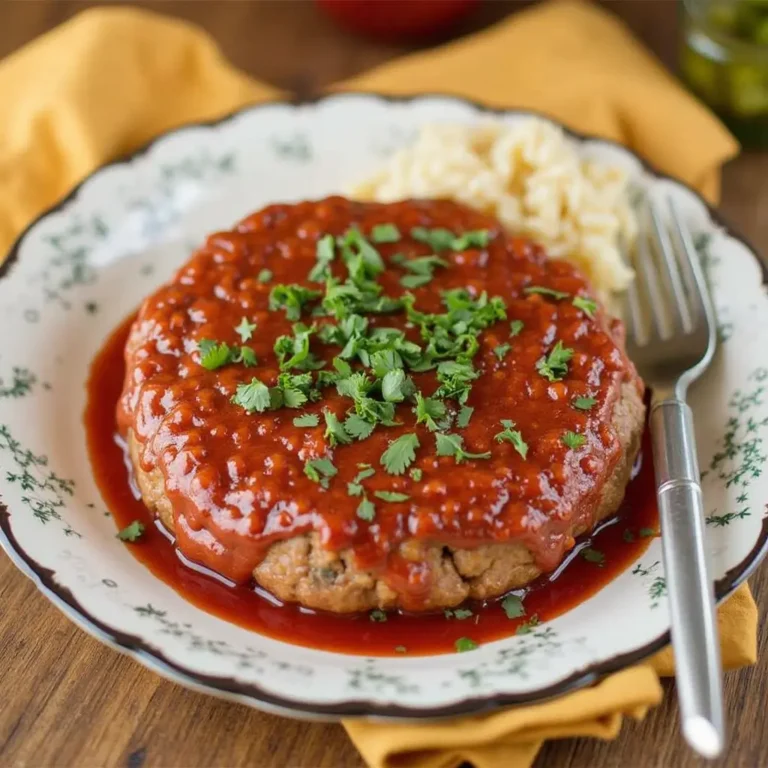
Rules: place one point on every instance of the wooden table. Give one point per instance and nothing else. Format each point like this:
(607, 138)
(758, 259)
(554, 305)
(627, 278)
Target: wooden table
(69, 701)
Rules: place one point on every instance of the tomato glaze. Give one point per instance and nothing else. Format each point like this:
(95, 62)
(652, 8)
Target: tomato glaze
(237, 481)
(619, 540)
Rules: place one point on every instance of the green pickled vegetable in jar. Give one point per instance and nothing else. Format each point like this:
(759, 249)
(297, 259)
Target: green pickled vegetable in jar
(724, 60)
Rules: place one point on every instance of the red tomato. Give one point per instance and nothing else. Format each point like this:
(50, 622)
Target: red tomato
(396, 19)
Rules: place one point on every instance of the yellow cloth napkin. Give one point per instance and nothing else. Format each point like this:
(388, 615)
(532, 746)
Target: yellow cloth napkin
(511, 738)
(96, 88)
(113, 77)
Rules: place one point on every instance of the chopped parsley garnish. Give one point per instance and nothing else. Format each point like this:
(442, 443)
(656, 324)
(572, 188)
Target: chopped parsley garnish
(366, 510)
(374, 363)
(429, 411)
(385, 233)
(246, 356)
(587, 306)
(356, 385)
(511, 435)
(355, 488)
(264, 276)
(501, 350)
(351, 334)
(453, 445)
(334, 429)
(449, 445)
(554, 366)
(452, 338)
(477, 238)
(414, 281)
(647, 533)
(452, 335)
(396, 386)
(440, 239)
(362, 259)
(384, 361)
(343, 368)
(292, 391)
(245, 329)
(377, 615)
(572, 440)
(306, 420)
(593, 556)
(584, 403)
(458, 613)
(455, 379)
(465, 414)
(392, 496)
(368, 409)
(513, 606)
(359, 294)
(437, 239)
(215, 354)
(400, 454)
(515, 327)
(320, 471)
(422, 270)
(325, 252)
(546, 291)
(132, 532)
(628, 536)
(528, 626)
(293, 351)
(357, 427)
(253, 396)
(291, 298)
(465, 644)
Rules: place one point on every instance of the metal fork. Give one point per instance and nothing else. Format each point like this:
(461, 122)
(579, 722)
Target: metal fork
(671, 340)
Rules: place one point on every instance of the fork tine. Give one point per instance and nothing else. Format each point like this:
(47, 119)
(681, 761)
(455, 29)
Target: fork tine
(648, 276)
(683, 243)
(680, 310)
(701, 299)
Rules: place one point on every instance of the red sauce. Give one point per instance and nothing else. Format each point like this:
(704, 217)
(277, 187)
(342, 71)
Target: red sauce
(419, 634)
(236, 480)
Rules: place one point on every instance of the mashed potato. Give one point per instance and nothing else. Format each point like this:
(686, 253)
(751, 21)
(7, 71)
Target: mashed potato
(532, 178)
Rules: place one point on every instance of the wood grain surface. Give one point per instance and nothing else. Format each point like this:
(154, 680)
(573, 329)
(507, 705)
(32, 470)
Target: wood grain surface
(67, 700)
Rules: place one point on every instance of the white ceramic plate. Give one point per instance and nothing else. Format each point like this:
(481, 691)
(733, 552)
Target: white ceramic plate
(87, 263)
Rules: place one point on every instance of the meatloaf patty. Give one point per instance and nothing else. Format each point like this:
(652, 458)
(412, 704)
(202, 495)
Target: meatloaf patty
(295, 490)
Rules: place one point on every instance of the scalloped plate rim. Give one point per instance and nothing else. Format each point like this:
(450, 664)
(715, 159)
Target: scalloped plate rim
(229, 688)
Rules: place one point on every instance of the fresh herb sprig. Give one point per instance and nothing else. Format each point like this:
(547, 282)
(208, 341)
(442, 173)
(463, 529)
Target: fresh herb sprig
(400, 454)
(217, 354)
(554, 366)
(453, 445)
(440, 239)
(573, 440)
(320, 471)
(511, 435)
(132, 532)
(292, 298)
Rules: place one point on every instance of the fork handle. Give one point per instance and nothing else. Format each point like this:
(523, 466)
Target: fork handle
(695, 640)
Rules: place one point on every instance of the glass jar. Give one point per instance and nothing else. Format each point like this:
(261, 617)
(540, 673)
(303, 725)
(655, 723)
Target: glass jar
(724, 60)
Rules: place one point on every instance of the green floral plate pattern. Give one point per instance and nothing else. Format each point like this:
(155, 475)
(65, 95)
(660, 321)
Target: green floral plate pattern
(86, 264)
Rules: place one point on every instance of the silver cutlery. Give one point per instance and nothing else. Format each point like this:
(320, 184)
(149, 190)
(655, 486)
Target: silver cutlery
(671, 340)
